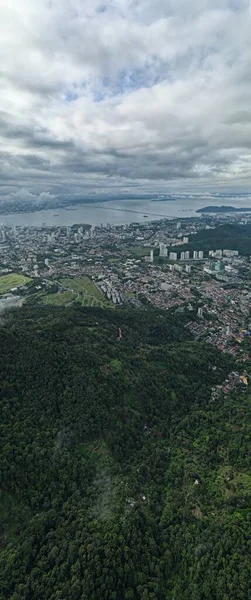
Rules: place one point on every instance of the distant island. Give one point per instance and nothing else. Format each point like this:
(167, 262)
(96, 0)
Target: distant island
(222, 209)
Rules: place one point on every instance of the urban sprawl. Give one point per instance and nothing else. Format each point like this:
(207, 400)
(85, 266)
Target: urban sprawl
(137, 265)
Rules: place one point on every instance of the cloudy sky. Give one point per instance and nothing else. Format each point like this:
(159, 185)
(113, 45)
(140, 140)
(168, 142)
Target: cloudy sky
(126, 95)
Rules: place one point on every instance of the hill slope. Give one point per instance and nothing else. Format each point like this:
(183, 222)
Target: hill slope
(120, 477)
(228, 236)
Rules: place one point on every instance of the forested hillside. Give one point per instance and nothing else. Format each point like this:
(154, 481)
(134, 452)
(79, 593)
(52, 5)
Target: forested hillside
(121, 478)
(228, 236)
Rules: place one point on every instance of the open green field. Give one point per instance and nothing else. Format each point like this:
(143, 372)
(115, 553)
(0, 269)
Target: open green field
(85, 285)
(12, 280)
(140, 251)
(59, 299)
(79, 289)
(88, 292)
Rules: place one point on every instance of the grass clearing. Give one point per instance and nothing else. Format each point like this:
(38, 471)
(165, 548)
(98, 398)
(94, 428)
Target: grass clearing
(90, 301)
(83, 284)
(59, 299)
(88, 292)
(139, 251)
(96, 451)
(116, 365)
(77, 289)
(233, 483)
(12, 280)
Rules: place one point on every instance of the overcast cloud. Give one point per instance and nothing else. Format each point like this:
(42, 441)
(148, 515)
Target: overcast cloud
(124, 95)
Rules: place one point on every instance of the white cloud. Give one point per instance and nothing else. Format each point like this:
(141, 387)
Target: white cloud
(24, 195)
(128, 90)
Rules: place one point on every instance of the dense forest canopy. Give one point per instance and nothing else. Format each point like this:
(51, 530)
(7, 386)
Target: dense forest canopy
(121, 477)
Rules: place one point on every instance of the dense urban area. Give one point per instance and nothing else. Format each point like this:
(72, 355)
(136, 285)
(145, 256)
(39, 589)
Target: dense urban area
(199, 268)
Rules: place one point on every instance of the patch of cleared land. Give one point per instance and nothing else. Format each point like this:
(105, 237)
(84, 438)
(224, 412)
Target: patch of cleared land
(77, 289)
(86, 291)
(12, 280)
(140, 251)
(83, 284)
(59, 299)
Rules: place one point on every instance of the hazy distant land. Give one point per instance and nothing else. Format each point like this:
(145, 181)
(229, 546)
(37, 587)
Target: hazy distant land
(222, 209)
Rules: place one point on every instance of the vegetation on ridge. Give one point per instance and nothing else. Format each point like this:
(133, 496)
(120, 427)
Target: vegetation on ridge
(121, 478)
